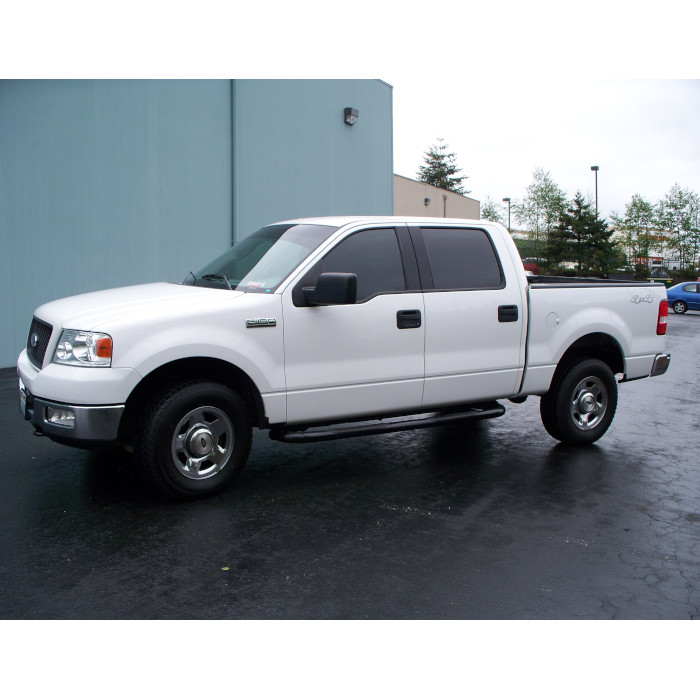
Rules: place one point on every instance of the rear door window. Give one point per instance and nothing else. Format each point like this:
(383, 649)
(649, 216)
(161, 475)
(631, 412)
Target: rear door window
(462, 259)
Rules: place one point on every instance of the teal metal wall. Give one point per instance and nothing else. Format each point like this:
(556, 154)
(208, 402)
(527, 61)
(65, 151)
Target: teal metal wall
(294, 155)
(109, 183)
(104, 184)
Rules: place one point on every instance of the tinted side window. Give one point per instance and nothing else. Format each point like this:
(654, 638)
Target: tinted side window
(374, 257)
(690, 288)
(462, 259)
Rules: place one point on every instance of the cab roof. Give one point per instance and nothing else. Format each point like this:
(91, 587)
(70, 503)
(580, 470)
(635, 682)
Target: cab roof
(340, 221)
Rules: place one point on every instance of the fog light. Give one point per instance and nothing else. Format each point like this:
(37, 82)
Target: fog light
(60, 416)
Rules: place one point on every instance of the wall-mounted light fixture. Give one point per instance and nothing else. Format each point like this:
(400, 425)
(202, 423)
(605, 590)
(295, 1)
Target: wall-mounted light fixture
(351, 115)
(427, 201)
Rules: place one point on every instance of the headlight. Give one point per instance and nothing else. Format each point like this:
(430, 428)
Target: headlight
(84, 349)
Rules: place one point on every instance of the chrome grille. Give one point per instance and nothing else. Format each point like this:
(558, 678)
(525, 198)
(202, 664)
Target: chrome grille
(38, 341)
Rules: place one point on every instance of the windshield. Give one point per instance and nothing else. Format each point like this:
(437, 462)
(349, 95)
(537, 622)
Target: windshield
(259, 263)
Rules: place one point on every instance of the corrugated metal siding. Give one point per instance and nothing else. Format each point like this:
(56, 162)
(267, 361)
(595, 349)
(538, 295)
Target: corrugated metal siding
(107, 183)
(291, 144)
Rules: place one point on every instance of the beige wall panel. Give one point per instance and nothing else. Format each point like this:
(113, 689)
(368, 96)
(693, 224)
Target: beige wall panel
(410, 196)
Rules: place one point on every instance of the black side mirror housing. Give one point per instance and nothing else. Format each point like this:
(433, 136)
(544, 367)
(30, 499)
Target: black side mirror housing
(332, 288)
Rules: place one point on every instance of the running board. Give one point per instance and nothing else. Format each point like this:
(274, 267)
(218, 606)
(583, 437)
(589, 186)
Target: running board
(300, 434)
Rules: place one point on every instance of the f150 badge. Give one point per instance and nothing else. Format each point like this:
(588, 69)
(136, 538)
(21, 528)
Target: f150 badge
(260, 322)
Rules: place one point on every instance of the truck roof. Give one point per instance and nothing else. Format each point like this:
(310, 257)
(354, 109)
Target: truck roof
(393, 220)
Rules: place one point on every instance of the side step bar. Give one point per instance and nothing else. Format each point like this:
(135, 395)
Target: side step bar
(299, 434)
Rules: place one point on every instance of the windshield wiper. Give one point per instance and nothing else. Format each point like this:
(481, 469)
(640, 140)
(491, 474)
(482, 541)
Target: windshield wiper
(215, 276)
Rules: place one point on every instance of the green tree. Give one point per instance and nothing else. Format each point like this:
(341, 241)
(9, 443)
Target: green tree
(636, 227)
(583, 238)
(440, 169)
(679, 214)
(541, 208)
(491, 211)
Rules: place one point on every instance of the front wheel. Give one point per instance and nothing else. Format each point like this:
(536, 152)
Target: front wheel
(679, 307)
(580, 405)
(193, 439)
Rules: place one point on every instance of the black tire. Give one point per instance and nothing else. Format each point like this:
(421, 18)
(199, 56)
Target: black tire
(193, 439)
(679, 307)
(580, 404)
(548, 414)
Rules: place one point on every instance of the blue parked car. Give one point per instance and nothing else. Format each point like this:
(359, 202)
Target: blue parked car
(684, 296)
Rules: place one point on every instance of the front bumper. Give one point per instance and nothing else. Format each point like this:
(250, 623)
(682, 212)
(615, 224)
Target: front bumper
(90, 426)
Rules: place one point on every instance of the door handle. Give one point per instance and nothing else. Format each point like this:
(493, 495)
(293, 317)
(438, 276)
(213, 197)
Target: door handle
(409, 318)
(507, 313)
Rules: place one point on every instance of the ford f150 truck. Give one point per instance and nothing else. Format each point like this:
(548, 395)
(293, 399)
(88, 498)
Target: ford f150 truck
(322, 328)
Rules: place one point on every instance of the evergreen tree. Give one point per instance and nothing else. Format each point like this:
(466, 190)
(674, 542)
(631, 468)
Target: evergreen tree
(440, 169)
(581, 237)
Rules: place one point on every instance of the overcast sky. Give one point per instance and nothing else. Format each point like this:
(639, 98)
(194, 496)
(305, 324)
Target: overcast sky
(643, 134)
(510, 86)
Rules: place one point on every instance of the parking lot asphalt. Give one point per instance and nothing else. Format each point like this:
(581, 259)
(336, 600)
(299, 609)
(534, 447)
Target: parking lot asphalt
(492, 520)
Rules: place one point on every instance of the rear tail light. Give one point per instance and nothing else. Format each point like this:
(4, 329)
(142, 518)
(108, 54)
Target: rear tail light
(663, 318)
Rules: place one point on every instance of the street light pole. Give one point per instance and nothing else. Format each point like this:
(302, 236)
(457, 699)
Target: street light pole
(595, 169)
(507, 199)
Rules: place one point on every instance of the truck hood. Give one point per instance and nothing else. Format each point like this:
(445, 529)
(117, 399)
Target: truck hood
(90, 311)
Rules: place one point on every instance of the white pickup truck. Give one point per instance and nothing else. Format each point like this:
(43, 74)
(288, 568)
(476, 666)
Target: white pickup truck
(323, 328)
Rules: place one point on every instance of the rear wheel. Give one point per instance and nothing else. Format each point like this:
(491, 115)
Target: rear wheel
(580, 405)
(193, 439)
(680, 307)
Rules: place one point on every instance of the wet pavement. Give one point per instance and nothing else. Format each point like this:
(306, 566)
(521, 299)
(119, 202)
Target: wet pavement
(489, 520)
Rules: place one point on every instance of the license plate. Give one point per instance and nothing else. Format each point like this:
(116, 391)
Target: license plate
(22, 399)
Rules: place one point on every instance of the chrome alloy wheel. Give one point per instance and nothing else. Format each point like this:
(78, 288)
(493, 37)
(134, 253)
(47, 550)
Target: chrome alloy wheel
(589, 403)
(202, 443)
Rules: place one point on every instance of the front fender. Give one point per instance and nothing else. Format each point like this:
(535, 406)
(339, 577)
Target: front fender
(221, 333)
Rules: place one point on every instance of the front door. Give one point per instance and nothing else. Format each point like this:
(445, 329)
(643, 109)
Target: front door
(358, 359)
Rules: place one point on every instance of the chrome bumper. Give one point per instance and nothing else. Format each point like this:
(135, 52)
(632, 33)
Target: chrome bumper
(72, 425)
(661, 363)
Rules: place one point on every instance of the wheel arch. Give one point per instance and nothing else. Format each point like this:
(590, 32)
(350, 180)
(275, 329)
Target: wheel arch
(597, 346)
(197, 368)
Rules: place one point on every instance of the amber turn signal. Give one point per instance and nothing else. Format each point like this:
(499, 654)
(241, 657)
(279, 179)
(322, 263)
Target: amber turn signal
(103, 347)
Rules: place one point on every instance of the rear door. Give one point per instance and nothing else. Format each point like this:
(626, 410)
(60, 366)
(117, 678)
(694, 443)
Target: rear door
(358, 359)
(474, 315)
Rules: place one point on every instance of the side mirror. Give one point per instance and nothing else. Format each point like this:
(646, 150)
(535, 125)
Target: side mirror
(332, 288)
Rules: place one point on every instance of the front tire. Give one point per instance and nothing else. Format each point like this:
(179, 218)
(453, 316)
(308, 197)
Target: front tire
(580, 405)
(679, 307)
(193, 439)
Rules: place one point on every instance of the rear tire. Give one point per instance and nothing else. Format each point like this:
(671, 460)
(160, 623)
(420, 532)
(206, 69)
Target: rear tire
(679, 307)
(193, 439)
(580, 405)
